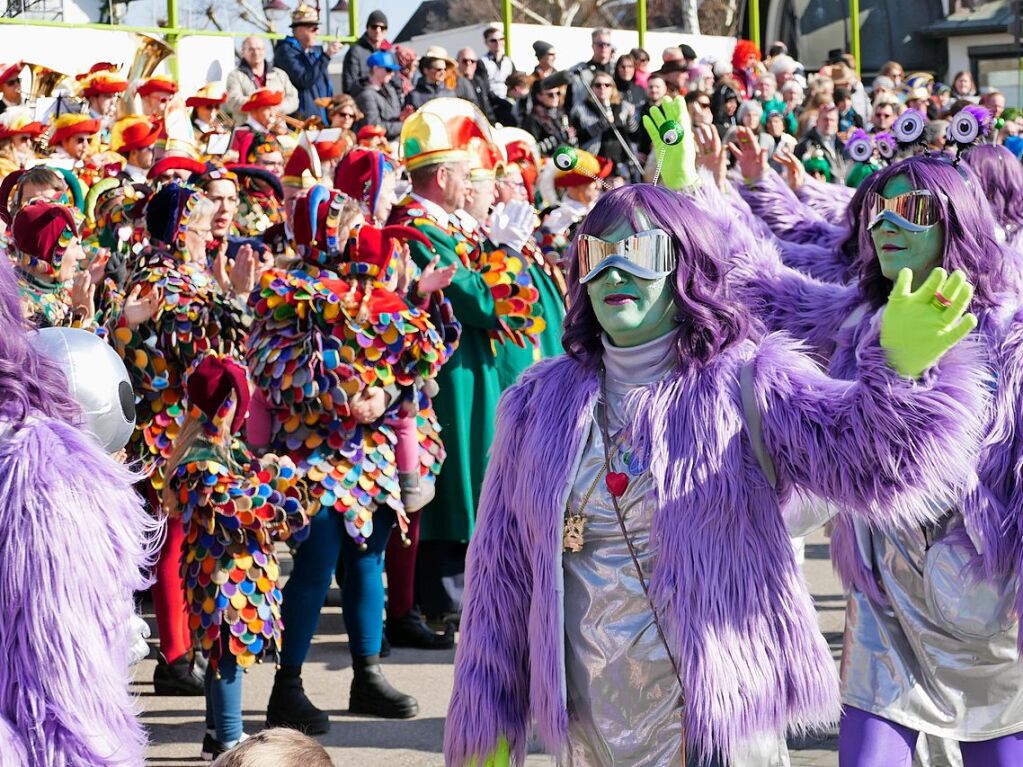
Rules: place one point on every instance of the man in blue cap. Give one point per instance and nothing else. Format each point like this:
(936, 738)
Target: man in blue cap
(380, 101)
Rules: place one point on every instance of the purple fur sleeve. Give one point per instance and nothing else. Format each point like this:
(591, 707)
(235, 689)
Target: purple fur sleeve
(829, 201)
(76, 543)
(822, 262)
(771, 200)
(491, 687)
(893, 450)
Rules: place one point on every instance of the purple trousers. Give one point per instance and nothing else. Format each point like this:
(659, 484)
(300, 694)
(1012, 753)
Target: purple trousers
(867, 740)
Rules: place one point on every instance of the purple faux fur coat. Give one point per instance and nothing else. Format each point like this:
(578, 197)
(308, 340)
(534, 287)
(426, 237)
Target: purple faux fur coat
(829, 201)
(75, 543)
(735, 606)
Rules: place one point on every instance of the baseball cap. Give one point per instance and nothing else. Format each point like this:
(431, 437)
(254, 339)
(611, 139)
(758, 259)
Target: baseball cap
(383, 59)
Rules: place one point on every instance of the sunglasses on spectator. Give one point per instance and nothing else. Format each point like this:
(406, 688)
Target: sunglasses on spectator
(13, 81)
(378, 26)
(602, 84)
(603, 44)
(349, 115)
(495, 39)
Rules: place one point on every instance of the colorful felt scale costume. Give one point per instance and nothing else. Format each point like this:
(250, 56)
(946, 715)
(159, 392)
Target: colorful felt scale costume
(233, 509)
(317, 341)
(41, 232)
(195, 317)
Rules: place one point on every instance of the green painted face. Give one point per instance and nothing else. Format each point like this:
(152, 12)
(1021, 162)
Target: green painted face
(897, 248)
(632, 311)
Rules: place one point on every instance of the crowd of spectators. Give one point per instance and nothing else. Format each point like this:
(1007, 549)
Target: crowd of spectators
(599, 104)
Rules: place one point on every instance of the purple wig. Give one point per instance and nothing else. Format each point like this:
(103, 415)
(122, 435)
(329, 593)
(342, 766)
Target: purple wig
(970, 241)
(1001, 181)
(710, 319)
(28, 380)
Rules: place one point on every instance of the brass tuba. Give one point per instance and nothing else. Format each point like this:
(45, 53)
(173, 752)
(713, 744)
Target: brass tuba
(44, 81)
(149, 52)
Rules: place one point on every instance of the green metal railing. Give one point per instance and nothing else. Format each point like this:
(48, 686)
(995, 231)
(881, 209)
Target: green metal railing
(172, 32)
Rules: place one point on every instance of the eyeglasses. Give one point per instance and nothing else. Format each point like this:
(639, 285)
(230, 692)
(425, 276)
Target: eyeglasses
(602, 85)
(648, 255)
(495, 39)
(915, 211)
(603, 44)
(378, 26)
(348, 115)
(13, 81)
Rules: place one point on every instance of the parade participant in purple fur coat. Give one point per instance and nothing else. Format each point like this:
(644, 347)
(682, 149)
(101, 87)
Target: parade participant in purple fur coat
(631, 589)
(932, 625)
(74, 545)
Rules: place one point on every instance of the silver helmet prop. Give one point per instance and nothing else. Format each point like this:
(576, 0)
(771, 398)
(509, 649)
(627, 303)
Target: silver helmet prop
(97, 380)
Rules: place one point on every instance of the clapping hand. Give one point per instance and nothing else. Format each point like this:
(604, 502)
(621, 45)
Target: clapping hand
(83, 295)
(751, 157)
(368, 405)
(434, 279)
(138, 308)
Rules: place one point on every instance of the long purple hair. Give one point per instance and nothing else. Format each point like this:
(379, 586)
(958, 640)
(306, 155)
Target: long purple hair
(970, 241)
(28, 380)
(1001, 181)
(710, 320)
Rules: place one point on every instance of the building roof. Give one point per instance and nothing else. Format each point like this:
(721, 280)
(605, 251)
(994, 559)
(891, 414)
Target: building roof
(983, 19)
(430, 16)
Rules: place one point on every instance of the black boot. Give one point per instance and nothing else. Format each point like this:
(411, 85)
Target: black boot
(410, 630)
(289, 706)
(372, 694)
(177, 678)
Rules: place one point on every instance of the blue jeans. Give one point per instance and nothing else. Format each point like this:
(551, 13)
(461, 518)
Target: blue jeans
(362, 592)
(224, 695)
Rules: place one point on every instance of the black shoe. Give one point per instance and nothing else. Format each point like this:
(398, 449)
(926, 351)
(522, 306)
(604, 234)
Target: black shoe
(212, 748)
(410, 630)
(289, 706)
(177, 678)
(385, 647)
(372, 694)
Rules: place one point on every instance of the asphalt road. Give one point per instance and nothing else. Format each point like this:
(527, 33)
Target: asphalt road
(176, 724)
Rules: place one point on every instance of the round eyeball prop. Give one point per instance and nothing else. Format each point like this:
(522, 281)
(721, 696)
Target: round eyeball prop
(97, 379)
(964, 128)
(565, 158)
(886, 146)
(671, 132)
(999, 123)
(860, 150)
(908, 127)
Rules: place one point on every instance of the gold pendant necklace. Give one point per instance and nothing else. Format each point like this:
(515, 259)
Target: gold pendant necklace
(574, 535)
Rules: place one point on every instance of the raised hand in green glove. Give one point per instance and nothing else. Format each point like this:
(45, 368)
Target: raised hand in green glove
(919, 326)
(678, 169)
(499, 757)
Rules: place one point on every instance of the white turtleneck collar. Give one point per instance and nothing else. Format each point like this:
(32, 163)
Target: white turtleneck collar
(630, 366)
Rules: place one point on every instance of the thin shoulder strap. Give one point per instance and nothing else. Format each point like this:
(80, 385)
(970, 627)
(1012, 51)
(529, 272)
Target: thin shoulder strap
(755, 424)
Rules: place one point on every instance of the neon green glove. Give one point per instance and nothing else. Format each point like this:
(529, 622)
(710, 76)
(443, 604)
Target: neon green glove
(678, 168)
(499, 757)
(919, 326)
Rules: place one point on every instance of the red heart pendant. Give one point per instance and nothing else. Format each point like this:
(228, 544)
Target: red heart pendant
(616, 483)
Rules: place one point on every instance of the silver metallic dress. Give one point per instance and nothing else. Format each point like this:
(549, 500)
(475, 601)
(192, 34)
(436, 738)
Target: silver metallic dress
(941, 658)
(624, 704)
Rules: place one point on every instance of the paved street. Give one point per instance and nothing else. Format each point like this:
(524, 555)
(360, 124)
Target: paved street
(176, 724)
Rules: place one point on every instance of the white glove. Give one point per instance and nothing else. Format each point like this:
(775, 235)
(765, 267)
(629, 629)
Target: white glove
(559, 220)
(512, 224)
(139, 631)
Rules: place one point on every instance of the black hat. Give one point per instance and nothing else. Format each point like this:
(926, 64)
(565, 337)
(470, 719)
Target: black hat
(687, 52)
(541, 48)
(376, 17)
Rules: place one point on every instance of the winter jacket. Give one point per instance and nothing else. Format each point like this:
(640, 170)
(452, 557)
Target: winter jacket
(308, 73)
(381, 106)
(241, 83)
